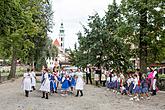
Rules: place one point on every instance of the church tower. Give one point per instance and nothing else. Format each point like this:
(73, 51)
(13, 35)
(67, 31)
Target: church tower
(61, 36)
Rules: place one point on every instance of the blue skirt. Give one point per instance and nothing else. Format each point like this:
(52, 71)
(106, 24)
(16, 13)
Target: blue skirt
(136, 90)
(110, 85)
(65, 85)
(73, 82)
(144, 90)
(115, 84)
(52, 85)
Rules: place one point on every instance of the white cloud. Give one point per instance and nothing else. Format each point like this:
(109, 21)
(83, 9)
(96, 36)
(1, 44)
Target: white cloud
(71, 13)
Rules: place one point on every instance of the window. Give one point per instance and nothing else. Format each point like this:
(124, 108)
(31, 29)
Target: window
(61, 45)
(61, 39)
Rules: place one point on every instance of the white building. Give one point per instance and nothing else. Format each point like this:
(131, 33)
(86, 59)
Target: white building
(59, 43)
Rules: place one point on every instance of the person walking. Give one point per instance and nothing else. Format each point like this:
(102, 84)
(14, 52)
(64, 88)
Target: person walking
(33, 84)
(79, 83)
(88, 74)
(27, 82)
(45, 85)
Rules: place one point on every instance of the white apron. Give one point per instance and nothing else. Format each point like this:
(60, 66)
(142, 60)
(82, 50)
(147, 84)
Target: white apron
(45, 86)
(96, 77)
(79, 81)
(103, 77)
(27, 82)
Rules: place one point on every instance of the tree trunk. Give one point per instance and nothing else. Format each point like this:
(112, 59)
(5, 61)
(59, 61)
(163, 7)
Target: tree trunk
(143, 42)
(13, 65)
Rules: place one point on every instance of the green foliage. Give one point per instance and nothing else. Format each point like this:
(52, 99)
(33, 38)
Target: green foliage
(146, 18)
(108, 41)
(24, 26)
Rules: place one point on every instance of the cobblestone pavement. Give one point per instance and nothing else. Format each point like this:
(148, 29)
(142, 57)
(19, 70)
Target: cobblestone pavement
(12, 98)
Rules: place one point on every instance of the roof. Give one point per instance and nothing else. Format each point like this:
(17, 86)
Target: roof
(56, 43)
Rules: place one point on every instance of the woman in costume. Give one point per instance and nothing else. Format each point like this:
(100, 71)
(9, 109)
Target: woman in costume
(79, 83)
(45, 86)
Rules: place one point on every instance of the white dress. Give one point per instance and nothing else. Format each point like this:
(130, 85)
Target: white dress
(27, 82)
(45, 86)
(79, 81)
(33, 78)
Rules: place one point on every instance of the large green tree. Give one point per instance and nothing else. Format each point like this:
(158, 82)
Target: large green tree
(24, 26)
(103, 43)
(146, 18)
(134, 29)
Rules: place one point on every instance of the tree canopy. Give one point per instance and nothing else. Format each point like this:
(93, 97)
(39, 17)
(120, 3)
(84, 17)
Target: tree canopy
(133, 29)
(24, 26)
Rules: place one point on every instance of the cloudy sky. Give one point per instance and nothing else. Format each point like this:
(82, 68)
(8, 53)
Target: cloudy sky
(73, 13)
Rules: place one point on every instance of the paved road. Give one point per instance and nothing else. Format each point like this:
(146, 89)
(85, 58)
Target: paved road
(12, 98)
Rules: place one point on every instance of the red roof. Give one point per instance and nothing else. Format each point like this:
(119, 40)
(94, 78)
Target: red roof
(56, 43)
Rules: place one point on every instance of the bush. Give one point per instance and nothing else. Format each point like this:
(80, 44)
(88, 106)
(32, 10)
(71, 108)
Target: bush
(162, 76)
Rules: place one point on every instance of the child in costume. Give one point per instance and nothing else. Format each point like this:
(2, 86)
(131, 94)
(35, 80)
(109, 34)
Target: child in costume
(65, 85)
(27, 78)
(72, 81)
(144, 87)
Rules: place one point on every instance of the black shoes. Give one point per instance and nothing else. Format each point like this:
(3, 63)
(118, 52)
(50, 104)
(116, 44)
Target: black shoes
(78, 93)
(43, 96)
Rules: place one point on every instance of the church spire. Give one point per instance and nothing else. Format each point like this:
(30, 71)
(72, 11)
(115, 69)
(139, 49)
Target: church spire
(62, 35)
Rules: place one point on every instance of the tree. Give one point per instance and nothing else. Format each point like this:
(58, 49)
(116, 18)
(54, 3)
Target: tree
(147, 24)
(24, 25)
(103, 43)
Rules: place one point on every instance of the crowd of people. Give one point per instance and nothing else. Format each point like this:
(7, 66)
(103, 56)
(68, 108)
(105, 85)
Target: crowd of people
(134, 84)
(52, 81)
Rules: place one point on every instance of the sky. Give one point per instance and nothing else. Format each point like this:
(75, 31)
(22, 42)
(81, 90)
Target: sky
(74, 14)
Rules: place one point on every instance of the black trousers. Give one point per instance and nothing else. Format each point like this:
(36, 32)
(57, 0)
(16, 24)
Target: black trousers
(88, 76)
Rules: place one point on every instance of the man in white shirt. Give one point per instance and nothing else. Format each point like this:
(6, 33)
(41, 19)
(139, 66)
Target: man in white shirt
(88, 74)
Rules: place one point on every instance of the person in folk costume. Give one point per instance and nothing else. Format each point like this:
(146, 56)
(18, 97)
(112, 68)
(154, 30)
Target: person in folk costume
(65, 84)
(45, 84)
(135, 88)
(96, 75)
(72, 81)
(150, 78)
(62, 74)
(79, 83)
(88, 74)
(56, 79)
(155, 78)
(115, 82)
(42, 73)
(108, 79)
(103, 77)
(130, 84)
(52, 83)
(118, 83)
(144, 87)
(122, 84)
(33, 79)
(27, 78)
